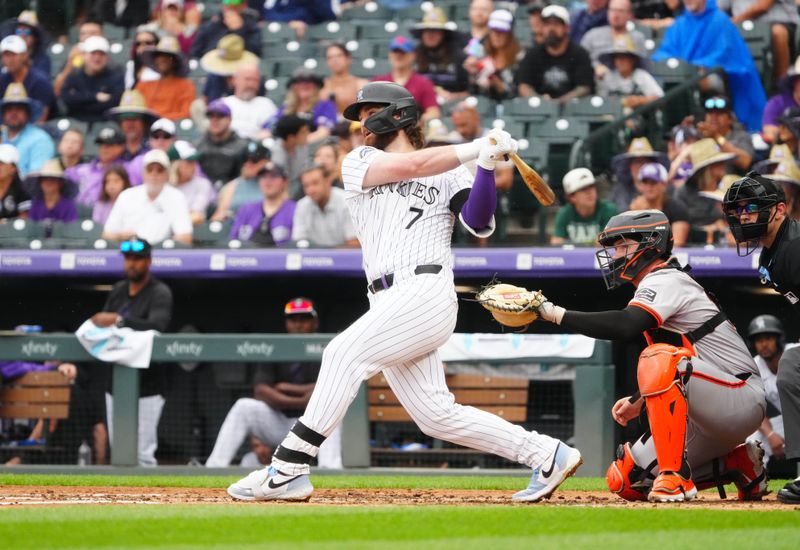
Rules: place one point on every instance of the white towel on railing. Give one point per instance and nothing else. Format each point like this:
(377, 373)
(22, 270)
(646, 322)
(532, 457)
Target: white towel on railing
(124, 346)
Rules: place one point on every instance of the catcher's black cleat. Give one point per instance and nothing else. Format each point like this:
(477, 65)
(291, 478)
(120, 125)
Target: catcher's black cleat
(790, 494)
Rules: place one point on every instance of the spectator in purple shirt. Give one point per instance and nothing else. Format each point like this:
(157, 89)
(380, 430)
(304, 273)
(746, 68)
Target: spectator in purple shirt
(788, 96)
(303, 99)
(53, 195)
(89, 175)
(267, 222)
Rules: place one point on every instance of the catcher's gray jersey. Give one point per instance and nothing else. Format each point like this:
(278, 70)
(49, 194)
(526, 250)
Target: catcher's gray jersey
(680, 305)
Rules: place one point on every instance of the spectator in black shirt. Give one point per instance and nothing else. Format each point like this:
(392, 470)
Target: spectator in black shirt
(559, 69)
(14, 201)
(140, 302)
(221, 150)
(96, 87)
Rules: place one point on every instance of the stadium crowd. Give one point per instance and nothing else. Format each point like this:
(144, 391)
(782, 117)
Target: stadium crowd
(245, 103)
(154, 120)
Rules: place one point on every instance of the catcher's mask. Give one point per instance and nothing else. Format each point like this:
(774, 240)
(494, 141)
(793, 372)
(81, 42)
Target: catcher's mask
(398, 101)
(753, 194)
(652, 231)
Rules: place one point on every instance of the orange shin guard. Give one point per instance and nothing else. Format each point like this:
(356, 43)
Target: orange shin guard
(624, 477)
(667, 411)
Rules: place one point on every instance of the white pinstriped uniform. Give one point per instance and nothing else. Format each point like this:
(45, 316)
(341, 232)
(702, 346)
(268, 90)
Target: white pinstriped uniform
(402, 225)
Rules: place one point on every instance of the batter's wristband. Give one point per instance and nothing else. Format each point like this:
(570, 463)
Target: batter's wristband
(467, 152)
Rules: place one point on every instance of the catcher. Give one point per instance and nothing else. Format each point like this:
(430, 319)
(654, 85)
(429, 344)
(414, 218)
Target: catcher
(703, 398)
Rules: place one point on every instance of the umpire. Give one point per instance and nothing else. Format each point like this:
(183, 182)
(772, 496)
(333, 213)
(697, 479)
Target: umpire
(755, 209)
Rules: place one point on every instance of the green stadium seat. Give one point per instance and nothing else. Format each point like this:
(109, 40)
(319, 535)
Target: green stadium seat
(382, 32)
(595, 110)
(530, 111)
(559, 135)
(369, 11)
(333, 31)
(18, 233)
(187, 130)
(82, 234)
(758, 36)
(370, 67)
(277, 33)
(671, 73)
(212, 234)
(58, 54)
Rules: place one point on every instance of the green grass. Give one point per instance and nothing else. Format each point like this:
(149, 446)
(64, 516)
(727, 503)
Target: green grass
(287, 525)
(302, 526)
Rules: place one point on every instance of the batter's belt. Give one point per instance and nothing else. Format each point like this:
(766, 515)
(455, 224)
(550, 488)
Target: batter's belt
(386, 281)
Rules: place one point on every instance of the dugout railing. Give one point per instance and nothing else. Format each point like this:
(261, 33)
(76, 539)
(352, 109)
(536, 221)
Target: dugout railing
(593, 387)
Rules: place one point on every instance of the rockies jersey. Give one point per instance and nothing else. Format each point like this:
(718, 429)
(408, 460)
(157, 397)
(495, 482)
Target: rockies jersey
(679, 304)
(406, 223)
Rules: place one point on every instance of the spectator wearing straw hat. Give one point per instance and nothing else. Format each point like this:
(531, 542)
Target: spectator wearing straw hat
(15, 202)
(221, 63)
(53, 195)
(26, 26)
(709, 165)
(626, 168)
(787, 172)
(234, 18)
(154, 210)
(439, 57)
(249, 111)
(627, 77)
(186, 177)
(134, 118)
(171, 95)
(652, 186)
(17, 68)
(91, 90)
(33, 144)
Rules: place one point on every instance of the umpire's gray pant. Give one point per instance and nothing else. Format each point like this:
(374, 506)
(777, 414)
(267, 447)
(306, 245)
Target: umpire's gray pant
(789, 392)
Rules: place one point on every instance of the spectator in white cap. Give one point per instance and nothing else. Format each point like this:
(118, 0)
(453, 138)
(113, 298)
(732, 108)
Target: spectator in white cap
(493, 73)
(17, 68)
(652, 186)
(154, 211)
(249, 111)
(163, 134)
(187, 178)
(580, 221)
(93, 89)
(559, 69)
(76, 57)
(14, 200)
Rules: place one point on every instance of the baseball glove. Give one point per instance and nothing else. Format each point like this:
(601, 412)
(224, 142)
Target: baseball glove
(512, 306)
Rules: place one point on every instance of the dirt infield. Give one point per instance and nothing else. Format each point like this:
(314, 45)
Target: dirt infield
(20, 495)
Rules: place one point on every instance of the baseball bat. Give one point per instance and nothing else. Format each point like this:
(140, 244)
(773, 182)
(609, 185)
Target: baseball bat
(533, 180)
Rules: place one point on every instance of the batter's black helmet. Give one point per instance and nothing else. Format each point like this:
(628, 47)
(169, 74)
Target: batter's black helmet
(766, 324)
(751, 194)
(650, 228)
(398, 101)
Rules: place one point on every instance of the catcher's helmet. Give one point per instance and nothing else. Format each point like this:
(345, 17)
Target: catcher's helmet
(755, 192)
(650, 228)
(766, 324)
(398, 101)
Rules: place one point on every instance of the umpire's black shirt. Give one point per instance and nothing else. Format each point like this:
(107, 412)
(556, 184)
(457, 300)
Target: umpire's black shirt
(150, 309)
(779, 265)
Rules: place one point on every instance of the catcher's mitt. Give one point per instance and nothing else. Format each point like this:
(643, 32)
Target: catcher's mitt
(512, 306)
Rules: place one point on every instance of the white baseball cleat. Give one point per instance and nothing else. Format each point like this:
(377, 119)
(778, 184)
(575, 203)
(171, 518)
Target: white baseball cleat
(270, 484)
(548, 476)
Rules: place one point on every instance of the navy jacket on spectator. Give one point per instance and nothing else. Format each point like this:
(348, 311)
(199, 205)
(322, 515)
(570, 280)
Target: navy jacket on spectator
(212, 30)
(37, 85)
(80, 91)
(310, 12)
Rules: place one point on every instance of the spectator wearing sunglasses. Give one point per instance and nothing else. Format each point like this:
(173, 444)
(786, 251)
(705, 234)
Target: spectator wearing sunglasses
(140, 302)
(27, 27)
(136, 70)
(163, 134)
(720, 124)
(154, 210)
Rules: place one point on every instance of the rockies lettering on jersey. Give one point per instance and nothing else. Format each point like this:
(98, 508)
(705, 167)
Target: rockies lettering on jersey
(406, 223)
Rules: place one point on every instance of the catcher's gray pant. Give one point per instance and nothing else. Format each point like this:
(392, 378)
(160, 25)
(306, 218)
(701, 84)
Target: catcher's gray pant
(254, 417)
(723, 412)
(400, 336)
(150, 408)
(789, 393)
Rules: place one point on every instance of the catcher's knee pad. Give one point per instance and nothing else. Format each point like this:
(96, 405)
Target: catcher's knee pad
(667, 411)
(624, 477)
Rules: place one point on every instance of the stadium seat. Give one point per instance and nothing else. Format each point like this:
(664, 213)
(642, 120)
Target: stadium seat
(486, 107)
(58, 54)
(531, 111)
(82, 234)
(671, 73)
(370, 67)
(333, 31)
(382, 32)
(18, 233)
(369, 11)
(559, 135)
(594, 110)
(758, 36)
(277, 33)
(212, 234)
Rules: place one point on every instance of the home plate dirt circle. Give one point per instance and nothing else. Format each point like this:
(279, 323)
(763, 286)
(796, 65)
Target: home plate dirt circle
(21, 495)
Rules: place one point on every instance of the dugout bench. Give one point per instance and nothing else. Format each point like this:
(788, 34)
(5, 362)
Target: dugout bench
(593, 384)
(42, 395)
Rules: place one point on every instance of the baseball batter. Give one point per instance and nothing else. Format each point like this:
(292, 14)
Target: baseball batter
(703, 399)
(404, 200)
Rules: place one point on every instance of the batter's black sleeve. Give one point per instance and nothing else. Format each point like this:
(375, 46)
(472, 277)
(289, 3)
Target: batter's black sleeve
(609, 325)
(458, 201)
